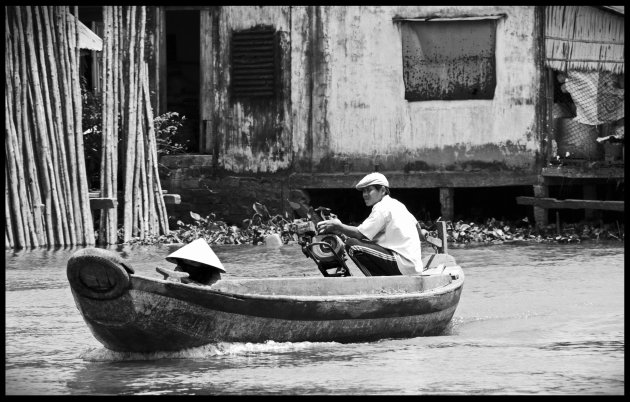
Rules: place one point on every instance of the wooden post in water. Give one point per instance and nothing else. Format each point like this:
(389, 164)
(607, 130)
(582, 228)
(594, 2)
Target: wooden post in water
(447, 202)
(558, 223)
(443, 235)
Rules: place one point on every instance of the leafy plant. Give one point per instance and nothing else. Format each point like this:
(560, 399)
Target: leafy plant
(166, 127)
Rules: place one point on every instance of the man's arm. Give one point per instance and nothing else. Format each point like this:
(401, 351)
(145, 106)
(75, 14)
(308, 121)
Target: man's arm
(335, 226)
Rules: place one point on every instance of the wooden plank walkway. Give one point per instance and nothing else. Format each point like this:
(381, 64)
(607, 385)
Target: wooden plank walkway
(552, 203)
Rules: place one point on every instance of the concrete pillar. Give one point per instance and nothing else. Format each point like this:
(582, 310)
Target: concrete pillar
(447, 203)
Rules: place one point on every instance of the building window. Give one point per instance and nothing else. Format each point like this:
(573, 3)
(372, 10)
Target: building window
(254, 63)
(449, 59)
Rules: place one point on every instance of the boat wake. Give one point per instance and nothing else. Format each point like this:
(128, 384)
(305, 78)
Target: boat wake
(102, 354)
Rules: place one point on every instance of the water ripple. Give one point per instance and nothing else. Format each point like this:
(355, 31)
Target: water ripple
(210, 350)
(604, 346)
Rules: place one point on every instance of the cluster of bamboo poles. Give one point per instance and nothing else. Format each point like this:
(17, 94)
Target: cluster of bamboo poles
(126, 94)
(46, 193)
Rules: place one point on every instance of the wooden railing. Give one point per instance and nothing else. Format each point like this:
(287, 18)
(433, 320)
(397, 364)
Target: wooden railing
(98, 202)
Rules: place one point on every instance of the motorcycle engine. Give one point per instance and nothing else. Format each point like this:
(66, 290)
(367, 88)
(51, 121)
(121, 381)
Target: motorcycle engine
(324, 253)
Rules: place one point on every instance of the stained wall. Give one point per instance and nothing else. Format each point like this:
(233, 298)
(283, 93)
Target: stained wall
(348, 94)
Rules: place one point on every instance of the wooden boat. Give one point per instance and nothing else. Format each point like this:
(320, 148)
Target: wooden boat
(135, 313)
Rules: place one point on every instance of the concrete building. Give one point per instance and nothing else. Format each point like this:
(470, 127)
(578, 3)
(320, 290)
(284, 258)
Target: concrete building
(283, 101)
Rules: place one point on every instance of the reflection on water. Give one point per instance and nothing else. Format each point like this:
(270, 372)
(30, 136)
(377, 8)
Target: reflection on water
(532, 319)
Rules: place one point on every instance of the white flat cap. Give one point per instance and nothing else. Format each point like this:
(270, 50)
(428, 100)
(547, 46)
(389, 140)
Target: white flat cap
(198, 251)
(372, 179)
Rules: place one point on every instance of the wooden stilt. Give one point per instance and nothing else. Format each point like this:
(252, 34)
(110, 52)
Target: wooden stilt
(558, 229)
(540, 214)
(447, 203)
(589, 192)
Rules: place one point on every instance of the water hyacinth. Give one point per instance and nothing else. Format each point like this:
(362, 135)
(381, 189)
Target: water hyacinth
(459, 234)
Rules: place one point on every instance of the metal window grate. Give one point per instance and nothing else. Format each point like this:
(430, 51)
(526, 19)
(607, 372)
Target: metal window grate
(254, 63)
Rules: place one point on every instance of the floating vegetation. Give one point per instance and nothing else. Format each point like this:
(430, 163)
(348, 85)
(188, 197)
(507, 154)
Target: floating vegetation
(262, 225)
(495, 231)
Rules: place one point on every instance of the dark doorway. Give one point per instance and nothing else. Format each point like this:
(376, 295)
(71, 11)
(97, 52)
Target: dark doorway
(182, 73)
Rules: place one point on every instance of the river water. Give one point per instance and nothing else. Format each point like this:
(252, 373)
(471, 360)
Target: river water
(532, 319)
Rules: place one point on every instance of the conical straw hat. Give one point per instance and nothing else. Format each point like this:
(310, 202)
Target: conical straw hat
(198, 251)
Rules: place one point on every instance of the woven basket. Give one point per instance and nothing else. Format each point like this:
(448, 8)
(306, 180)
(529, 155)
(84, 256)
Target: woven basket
(578, 140)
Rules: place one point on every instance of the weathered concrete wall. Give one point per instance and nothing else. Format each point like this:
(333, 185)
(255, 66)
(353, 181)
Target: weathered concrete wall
(348, 95)
(342, 111)
(252, 136)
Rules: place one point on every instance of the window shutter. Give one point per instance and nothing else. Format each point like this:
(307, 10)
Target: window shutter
(254, 63)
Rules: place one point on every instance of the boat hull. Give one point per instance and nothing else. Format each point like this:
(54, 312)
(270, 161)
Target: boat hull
(159, 315)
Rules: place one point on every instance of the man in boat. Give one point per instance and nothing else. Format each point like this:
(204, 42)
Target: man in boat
(387, 242)
(198, 261)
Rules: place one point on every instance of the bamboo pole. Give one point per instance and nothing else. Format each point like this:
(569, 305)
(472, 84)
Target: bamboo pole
(108, 135)
(50, 128)
(138, 124)
(141, 120)
(41, 128)
(108, 225)
(54, 231)
(10, 168)
(160, 206)
(109, 119)
(10, 242)
(17, 163)
(130, 128)
(140, 155)
(157, 208)
(153, 226)
(23, 127)
(8, 97)
(75, 102)
(137, 194)
(138, 224)
(40, 161)
(122, 44)
(10, 151)
(16, 148)
(29, 131)
(11, 171)
(58, 169)
(56, 139)
(46, 136)
(65, 141)
(82, 187)
(113, 213)
(103, 237)
(12, 45)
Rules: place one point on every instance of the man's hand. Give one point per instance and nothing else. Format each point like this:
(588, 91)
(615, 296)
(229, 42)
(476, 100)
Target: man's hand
(335, 226)
(329, 226)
